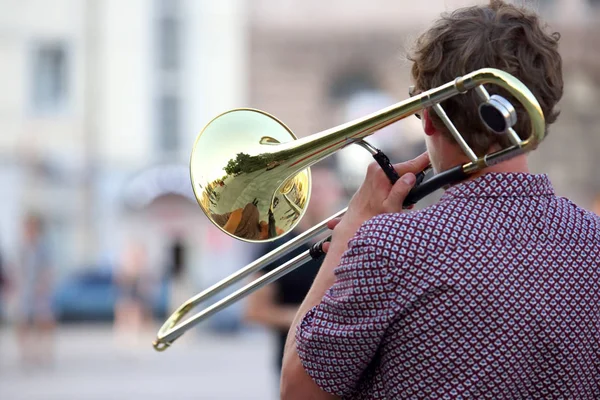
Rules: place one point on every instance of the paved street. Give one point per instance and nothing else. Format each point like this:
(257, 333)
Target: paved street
(91, 366)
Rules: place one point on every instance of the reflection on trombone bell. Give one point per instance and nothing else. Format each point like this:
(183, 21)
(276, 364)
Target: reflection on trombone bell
(257, 176)
(244, 222)
(236, 193)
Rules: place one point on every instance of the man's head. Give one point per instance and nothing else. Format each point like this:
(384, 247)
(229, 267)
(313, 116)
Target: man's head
(496, 35)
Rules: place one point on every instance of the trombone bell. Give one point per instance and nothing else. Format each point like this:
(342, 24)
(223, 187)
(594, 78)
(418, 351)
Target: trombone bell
(240, 178)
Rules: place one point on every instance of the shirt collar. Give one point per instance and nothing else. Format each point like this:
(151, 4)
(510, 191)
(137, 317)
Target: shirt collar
(496, 184)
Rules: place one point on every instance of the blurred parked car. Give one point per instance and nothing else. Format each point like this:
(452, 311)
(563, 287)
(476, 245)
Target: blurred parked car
(91, 295)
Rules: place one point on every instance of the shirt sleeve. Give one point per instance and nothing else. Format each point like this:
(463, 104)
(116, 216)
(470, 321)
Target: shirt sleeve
(337, 339)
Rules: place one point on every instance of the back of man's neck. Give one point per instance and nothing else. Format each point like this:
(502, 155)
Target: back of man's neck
(514, 165)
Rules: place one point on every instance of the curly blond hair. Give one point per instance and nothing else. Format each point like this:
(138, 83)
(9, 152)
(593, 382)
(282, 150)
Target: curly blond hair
(497, 35)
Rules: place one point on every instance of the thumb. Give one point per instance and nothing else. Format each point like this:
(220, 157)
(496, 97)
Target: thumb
(393, 203)
(333, 223)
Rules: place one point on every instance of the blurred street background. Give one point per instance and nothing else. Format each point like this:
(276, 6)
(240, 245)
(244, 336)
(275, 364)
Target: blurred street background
(100, 104)
(90, 366)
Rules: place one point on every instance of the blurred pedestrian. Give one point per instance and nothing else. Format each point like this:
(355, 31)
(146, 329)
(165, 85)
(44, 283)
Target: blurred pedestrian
(275, 305)
(177, 274)
(133, 312)
(35, 319)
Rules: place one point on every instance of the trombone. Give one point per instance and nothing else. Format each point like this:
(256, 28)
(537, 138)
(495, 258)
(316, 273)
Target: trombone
(251, 177)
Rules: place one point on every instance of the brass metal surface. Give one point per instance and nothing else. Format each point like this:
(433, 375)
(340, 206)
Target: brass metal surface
(240, 179)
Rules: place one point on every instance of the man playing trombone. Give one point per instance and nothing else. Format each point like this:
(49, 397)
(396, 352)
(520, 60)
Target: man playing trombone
(490, 293)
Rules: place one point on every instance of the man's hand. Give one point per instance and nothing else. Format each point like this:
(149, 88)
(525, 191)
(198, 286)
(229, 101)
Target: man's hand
(376, 196)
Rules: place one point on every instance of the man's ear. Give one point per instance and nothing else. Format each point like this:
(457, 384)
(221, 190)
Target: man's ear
(428, 124)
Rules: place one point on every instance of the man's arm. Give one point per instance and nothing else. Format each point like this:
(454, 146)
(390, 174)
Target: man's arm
(376, 196)
(295, 382)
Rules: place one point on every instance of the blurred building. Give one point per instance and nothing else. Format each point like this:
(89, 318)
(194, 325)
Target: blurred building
(101, 103)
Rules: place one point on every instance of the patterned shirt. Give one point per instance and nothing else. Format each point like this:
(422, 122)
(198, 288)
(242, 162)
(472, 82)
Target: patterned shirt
(492, 293)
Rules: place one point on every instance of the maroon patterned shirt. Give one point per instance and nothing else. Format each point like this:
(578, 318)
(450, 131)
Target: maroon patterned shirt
(491, 293)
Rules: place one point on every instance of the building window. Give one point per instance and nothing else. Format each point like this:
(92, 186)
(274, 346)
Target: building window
(49, 78)
(169, 43)
(168, 65)
(169, 123)
(169, 35)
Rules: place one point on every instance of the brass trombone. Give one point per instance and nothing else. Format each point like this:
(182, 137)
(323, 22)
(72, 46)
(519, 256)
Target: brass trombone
(250, 175)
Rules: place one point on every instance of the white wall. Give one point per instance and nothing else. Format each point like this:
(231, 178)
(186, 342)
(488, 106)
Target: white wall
(126, 90)
(25, 133)
(215, 59)
(22, 25)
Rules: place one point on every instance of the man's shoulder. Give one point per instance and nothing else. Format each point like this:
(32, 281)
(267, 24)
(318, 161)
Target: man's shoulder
(408, 235)
(570, 219)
